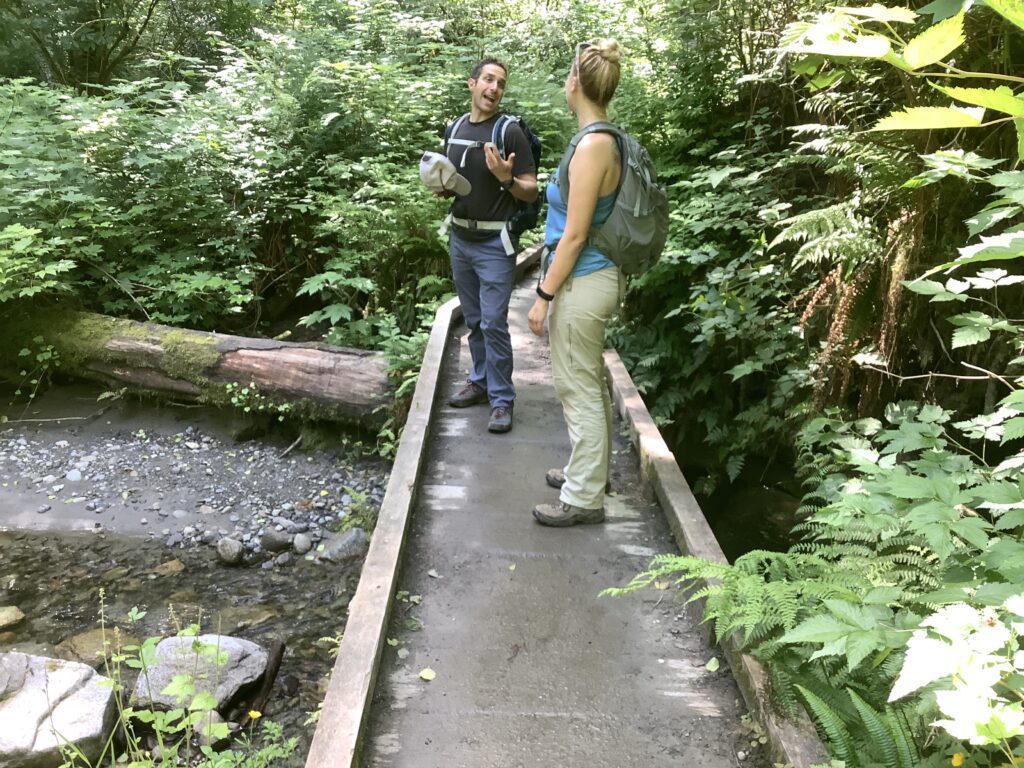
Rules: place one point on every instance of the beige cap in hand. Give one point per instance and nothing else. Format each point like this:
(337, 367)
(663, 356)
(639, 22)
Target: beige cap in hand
(439, 175)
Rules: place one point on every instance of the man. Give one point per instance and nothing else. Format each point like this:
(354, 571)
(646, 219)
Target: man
(481, 249)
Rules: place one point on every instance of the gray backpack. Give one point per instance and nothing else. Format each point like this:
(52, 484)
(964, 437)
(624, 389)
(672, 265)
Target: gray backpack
(634, 234)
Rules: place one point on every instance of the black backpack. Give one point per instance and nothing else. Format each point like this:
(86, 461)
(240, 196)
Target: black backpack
(527, 214)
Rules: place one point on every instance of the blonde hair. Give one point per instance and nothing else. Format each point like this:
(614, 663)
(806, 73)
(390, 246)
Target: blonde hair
(597, 69)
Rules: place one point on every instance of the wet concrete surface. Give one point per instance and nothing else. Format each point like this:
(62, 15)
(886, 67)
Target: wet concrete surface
(533, 667)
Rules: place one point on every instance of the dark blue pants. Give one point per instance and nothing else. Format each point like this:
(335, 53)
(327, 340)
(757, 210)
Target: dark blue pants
(484, 276)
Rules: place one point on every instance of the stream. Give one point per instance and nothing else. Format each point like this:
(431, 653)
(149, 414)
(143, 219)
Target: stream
(119, 506)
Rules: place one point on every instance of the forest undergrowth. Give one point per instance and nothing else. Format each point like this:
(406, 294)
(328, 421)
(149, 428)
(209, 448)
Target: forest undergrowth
(841, 291)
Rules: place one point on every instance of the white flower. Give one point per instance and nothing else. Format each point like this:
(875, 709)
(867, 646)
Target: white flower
(966, 710)
(991, 634)
(978, 720)
(1015, 605)
(979, 672)
(953, 621)
(927, 660)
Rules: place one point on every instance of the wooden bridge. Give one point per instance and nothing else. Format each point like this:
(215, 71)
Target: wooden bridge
(477, 639)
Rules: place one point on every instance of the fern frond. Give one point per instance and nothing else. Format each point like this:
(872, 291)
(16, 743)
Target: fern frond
(782, 691)
(881, 735)
(906, 746)
(832, 726)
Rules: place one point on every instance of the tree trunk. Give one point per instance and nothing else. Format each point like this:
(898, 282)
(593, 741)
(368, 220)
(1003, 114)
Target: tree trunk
(313, 381)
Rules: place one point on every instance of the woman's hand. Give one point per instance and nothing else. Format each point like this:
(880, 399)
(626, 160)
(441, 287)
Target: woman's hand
(538, 314)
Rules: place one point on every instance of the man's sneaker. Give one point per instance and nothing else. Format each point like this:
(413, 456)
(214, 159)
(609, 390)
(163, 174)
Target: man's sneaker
(501, 418)
(562, 514)
(555, 477)
(471, 394)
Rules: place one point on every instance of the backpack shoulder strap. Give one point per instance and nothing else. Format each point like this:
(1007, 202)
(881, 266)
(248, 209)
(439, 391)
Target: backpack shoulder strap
(500, 129)
(563, 166)
(453, 129)
(451, 138)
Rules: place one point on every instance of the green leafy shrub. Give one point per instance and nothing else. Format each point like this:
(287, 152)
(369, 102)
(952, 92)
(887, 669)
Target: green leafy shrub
(27, 265)
(900, 519)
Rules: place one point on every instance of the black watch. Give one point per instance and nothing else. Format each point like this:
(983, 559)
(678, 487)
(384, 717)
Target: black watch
(507, 185)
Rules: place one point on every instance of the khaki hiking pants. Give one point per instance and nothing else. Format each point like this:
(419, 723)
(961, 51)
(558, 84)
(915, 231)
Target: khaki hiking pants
(581, 310)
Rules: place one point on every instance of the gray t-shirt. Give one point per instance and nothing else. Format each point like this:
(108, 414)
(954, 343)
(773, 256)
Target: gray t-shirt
(488, 201)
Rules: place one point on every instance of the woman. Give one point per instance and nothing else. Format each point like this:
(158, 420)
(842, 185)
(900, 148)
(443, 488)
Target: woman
(583, 289)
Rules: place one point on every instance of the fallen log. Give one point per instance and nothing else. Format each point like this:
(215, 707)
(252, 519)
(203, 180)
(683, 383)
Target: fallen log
(315, 381)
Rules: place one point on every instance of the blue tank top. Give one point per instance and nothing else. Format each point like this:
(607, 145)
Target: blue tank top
(590, 259)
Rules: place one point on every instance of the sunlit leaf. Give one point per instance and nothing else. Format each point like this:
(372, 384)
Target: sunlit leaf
(969, 335)
(921, 118)
(1013, 429)
(861, 47)
(826, 80)
(878, 12)
(1008, 245)
(910, 486)
(816, 629)
(897, 61)
(989, 217)
(925, 287)
(935, 43)
(953, 290)
(203, 701)
(1011, 10)
(1001, 99)
(718, 175)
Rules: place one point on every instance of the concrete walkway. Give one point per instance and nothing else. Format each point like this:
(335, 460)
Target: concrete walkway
(532, 667)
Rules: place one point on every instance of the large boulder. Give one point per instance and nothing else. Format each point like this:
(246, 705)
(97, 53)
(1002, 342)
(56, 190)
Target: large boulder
(243, 663)
(45, 703)
(346, 548)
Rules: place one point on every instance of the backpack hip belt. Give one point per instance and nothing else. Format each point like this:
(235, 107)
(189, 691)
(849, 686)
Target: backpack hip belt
(475, 225)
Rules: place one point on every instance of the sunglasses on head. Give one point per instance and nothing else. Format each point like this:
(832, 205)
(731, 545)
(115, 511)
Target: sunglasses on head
(580, 48)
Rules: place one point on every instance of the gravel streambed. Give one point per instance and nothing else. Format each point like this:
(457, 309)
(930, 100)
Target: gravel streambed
(135, 500)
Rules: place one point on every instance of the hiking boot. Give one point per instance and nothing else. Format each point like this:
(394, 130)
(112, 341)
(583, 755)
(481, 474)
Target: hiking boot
(562, 514)
(555, 477)
(470, 394)
(501, 418)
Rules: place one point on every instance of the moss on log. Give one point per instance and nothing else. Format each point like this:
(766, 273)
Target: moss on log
(317, 381)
